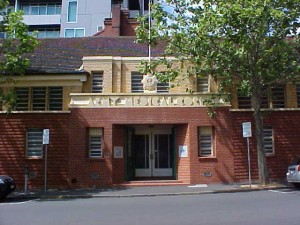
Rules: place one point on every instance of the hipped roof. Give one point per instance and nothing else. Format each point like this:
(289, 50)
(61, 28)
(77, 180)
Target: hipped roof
(64, 55)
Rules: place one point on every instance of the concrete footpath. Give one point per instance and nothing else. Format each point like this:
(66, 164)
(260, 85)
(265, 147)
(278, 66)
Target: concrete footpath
(146, 191)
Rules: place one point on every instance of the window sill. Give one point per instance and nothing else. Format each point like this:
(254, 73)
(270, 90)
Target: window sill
(207, 158)
(96, 158)
(34, 158)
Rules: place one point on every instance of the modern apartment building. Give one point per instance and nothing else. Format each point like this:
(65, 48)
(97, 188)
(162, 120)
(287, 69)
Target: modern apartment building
(71, 18)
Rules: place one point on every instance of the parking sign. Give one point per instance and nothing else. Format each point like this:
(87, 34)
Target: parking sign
(247, 129)
(46, 136)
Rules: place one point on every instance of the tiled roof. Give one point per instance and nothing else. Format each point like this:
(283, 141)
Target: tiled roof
(64, 55)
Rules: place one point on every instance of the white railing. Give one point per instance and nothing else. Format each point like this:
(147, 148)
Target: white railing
(88, 100)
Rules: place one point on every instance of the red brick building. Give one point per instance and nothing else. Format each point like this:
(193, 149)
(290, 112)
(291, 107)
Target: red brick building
(108, 128)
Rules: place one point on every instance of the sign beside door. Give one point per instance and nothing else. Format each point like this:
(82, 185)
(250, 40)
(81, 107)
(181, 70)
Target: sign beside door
(183, 151)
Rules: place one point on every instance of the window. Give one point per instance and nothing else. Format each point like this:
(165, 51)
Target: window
(202, 84)
(72, 12)
(244, 102)
(34, 145)
(39, 98)
(42, 9)
(268, 140)
(97, 82)
(74, 32)
(163, 87)
(46, 32)
(278, 97)
(136, 82)
(275, 98)
(205, 141)
(95, 142)
(55, 98)
(298, 94)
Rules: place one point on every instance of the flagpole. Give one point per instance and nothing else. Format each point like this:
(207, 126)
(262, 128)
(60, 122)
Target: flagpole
(149, 37)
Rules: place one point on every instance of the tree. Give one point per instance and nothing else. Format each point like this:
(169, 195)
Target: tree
(249, 45)
(13, 48)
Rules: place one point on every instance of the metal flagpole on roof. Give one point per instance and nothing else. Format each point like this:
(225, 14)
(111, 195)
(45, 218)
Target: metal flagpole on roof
(149, 35)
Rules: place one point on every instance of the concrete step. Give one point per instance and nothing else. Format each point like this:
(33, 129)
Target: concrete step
(153, 183)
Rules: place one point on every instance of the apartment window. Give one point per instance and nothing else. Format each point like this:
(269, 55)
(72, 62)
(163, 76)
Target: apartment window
(205, 141)
(46, 32)
(97, 82)
(95, 142)
(42, 9)
(72, 12)
(268, 140)
(202, 84)
(34, 145)
(136, 82)
(39, 98)
(74, 32)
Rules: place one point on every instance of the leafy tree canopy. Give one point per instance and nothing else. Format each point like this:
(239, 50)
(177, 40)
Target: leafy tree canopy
(250, 45)
(13, 47)
(236, 39)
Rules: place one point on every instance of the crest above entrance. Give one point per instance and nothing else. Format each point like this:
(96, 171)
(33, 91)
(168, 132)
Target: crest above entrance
(149, 83)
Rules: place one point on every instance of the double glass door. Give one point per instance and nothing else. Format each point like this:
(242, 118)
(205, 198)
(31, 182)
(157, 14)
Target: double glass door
(153, 153)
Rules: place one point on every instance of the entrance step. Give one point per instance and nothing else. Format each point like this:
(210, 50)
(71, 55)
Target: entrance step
(153, 183)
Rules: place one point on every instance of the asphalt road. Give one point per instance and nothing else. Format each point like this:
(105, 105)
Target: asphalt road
(262, 207)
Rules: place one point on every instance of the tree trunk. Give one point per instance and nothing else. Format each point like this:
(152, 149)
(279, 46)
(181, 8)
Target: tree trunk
(262, 166)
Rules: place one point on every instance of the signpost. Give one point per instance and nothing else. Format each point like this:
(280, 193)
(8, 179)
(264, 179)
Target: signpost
(46, 138)
(247, 132)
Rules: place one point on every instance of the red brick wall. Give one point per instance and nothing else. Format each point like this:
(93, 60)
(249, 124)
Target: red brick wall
(186, 120)
(70, 166)
(13, 148)
(286, 130)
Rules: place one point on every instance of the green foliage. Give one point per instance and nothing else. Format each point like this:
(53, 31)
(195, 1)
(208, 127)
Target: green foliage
(249, 45)
(235, 40)
(13, 49)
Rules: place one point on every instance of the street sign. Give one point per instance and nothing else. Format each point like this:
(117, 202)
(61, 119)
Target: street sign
(247, 129)
(46, 136)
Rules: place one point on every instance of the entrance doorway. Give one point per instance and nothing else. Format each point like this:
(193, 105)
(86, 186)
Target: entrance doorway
(153, 153)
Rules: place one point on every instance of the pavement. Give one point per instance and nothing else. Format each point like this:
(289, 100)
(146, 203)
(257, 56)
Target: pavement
(145, 191)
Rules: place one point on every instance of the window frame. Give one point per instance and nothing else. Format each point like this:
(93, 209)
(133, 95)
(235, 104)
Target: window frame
(39, 145)
(29, 99)
(269, 140)
(203, 87)
(97, 81)
(205, 141)
(74, 32)
(95, 132)
(68, 12)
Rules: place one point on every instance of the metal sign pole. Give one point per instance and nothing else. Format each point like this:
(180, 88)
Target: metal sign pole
(46, 134)
(45, 175)
(249, 163)
(247, 132)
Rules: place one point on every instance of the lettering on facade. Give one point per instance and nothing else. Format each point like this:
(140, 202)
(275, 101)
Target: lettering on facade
(137, 101)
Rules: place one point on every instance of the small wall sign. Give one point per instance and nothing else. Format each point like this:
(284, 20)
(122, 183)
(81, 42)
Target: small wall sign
(118, 152)
(183, 151)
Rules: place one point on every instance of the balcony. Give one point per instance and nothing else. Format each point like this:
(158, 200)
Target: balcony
(88, 100)
(42, 19)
